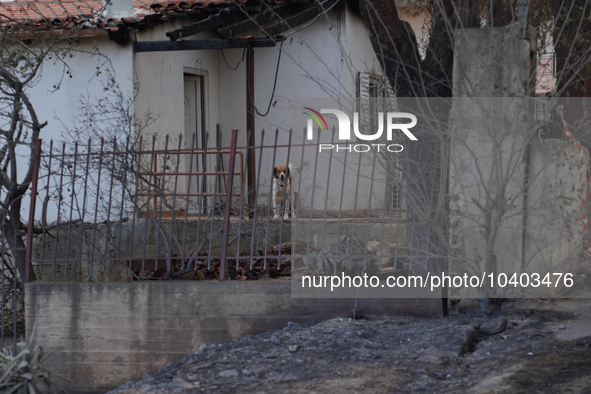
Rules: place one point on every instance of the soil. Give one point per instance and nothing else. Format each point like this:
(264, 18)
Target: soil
(544, 348)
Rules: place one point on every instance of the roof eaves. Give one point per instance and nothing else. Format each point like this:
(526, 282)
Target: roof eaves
(87, 15)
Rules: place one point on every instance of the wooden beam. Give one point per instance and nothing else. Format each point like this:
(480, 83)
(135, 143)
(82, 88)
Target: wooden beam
(245, 25)
(255, 21)
(250, 137)
(206, 43)
(211, 22)
(297, 19)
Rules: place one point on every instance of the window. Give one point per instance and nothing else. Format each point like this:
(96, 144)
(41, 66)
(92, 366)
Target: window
(374, 95)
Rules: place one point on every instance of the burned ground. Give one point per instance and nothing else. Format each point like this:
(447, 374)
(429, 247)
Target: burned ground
(546, 347)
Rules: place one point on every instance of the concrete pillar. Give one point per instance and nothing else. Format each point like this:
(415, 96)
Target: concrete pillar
(491, 123)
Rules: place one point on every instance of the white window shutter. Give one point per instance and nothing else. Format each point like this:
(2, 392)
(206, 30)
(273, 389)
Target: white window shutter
(374, 95)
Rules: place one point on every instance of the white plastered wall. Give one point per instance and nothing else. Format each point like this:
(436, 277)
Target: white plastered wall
(87, 66)
(320, 60)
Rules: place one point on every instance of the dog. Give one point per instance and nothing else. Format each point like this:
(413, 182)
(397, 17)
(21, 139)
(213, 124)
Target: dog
(283, 193)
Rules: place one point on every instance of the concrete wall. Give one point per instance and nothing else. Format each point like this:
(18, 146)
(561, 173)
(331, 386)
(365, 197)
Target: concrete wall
(490, 129)
(554, 229)
(99, 336)
(515, 201)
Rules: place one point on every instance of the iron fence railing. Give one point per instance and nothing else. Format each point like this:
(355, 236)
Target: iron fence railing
(161, 208)
(156, 210)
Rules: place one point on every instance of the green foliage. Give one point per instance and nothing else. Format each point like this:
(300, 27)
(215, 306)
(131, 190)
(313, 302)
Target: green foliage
(22, 372)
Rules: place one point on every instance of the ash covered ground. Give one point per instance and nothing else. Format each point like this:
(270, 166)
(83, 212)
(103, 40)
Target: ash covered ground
(537, 346)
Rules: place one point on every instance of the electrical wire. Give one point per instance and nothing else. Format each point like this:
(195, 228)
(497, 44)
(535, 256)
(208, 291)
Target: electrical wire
(279, 57)
(274, 84)
(241, 60)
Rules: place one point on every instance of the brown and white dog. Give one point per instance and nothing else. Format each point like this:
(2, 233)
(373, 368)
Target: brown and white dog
(283, 193)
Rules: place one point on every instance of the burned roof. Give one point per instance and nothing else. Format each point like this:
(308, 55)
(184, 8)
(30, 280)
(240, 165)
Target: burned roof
(92, 17)
(46, 15)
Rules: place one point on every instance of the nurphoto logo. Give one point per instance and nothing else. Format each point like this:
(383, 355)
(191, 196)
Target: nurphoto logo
(344, 124)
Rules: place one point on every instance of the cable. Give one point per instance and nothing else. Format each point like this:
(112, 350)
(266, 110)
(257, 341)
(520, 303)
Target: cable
(241, 60)
(279, 57)
(274, 83)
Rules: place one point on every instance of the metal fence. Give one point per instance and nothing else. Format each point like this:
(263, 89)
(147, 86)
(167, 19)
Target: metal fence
(163, 208)
(166, 209)
(158, 210)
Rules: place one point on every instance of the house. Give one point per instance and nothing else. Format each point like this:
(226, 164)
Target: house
(185, 63)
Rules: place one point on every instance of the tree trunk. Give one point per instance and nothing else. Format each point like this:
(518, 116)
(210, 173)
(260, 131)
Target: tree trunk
(17, 247)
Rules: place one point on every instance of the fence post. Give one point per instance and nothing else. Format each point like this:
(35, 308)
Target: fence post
(34, 181)
(228, 204)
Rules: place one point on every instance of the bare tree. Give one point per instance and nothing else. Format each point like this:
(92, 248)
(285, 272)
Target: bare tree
(412, 73)
(23, 53)
(20, 66)
(431, 75)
